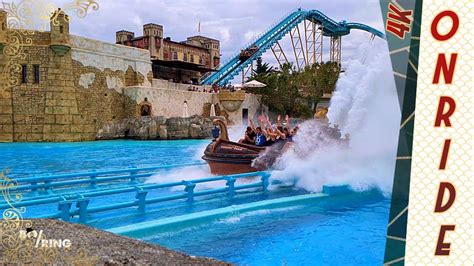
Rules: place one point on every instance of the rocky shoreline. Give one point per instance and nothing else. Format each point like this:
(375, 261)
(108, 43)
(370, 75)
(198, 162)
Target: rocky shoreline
(158, 128)
(90, 246)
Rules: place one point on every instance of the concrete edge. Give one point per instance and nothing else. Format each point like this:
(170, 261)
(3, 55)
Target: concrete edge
(150, 227)
(143, 229)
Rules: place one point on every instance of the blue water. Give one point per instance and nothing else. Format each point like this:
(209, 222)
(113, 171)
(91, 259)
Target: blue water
(346, 230)
(343, 230)
(27, 159)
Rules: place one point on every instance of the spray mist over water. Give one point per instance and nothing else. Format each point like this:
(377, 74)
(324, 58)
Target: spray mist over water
(236, 132)
(365, 105)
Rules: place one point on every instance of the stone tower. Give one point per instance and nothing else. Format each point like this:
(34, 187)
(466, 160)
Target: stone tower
(215, 53)
(155, 34)
(61, 110)
(60, 33)
(122, 36)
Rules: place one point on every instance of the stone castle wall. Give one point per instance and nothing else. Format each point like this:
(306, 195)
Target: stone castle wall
(77, 92)
(101, 71)
(170, 103)
(86, 84)
(133, 62)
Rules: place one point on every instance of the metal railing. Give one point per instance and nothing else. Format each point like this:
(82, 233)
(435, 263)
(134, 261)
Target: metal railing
(81, 200)
(92, 178)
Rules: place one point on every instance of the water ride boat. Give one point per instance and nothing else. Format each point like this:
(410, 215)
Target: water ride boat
(227, 157)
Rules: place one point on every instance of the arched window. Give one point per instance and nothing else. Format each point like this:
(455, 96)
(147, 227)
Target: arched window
(175, 55)
(185, 57)
(145, 108)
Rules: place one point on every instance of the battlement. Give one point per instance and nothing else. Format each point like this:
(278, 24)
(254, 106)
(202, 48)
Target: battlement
(153, 30)
(123, 36)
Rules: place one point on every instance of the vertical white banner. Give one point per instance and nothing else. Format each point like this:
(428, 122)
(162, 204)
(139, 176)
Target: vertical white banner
(440, 220)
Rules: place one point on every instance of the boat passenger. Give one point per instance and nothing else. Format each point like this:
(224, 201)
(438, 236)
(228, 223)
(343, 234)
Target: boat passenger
(249, 136)
(279, 130)
(281, 136)
(267, 130)
(260, 138)
(271, 137)
(288, 135)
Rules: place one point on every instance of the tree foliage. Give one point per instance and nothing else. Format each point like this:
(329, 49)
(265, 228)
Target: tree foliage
(261, 71)
(295, 93)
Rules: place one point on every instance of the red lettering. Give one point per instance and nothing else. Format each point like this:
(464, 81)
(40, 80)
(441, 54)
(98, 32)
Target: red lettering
(441, 116)
(398, 21)
(439, 207)
(448, 71)
(398, 29)
(442, 248)
(434, 25)
(444, 155)
(400, 15)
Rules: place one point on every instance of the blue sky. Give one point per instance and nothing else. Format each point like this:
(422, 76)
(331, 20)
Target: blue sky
(233, 22)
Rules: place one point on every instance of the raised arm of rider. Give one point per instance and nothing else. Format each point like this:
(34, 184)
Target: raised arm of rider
(252, 125)
(281, 134)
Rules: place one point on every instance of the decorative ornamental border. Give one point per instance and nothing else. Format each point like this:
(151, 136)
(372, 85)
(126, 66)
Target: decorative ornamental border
(23, 16)
(403, 41)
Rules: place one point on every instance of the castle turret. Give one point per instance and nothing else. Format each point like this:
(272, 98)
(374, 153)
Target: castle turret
(155, 34)
(60, 33)
(3, 28)
(152, 29)
(214, 50)
(123, 36)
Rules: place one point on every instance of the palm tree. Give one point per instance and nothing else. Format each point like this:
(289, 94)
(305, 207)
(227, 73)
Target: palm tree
(261, 71)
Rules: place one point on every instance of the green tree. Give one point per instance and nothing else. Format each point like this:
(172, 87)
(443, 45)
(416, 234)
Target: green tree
(294, 93)
(261, 71)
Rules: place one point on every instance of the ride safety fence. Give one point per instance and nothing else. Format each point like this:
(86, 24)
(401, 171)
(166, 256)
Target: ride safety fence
(64, 190)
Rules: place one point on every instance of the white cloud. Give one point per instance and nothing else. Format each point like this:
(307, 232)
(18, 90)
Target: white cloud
(233, 22)
(251, 34)
(137, 21)
(225, 35)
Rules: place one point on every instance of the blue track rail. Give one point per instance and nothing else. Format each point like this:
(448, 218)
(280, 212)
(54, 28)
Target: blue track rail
(265, 41)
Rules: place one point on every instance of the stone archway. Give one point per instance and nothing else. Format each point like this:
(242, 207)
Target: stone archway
(145, 108)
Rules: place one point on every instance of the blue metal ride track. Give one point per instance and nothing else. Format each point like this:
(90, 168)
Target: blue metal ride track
(331, 28)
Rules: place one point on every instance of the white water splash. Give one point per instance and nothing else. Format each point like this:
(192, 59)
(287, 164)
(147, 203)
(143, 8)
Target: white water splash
(365, 105)
(236, 132)
(197, 172)
(185, 173)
